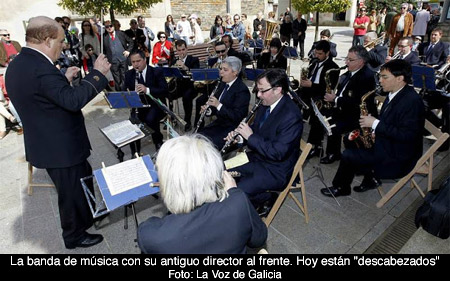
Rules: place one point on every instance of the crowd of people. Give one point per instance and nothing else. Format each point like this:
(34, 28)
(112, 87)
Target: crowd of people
(195, 187)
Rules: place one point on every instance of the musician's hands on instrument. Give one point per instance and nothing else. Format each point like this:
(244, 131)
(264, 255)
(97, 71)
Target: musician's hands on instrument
(228, 180)
(72, 73)
(140, 88)
(366, 121)
(126, 54)
(330, 97)
(213, 101)
(306, 83)
(244, 130)
(101, 64)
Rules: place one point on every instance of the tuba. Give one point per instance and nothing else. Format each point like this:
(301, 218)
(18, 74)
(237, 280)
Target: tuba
(271, 26)
(366, 135)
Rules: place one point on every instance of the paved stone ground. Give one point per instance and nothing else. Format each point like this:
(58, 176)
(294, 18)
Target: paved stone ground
(30, 224)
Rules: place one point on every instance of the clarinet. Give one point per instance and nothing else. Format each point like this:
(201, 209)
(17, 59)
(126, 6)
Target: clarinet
(245, 120)
(202, 116)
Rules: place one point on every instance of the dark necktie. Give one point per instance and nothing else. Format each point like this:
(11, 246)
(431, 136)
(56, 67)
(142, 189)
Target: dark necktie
(264, 118)
(141, 78)
(429, 49)
(385, 105)
(344, 82)
(314, 74)
(224, 92)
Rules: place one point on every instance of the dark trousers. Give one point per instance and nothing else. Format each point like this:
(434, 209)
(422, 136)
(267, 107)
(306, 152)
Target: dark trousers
(118, 70)
(188, 97)
(151, 117)
(353, 162)
(74, 211)
(434, 100)
(301, 43)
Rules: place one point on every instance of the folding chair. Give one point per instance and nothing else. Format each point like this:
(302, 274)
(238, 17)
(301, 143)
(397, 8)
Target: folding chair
(424, 166)
(298, 171)
(30, 181)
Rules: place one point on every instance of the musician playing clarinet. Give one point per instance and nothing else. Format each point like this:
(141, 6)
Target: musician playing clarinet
(146, 80)
(229, 103)
(274, 141)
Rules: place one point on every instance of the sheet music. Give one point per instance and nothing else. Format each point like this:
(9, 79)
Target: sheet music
(126, 176)
(121, 132)
(236, 161)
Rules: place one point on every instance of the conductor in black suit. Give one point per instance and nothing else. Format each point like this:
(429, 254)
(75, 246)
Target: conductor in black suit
(353, 84)
(147, 80)
(55, 135)
(184, 85)
(398, 136)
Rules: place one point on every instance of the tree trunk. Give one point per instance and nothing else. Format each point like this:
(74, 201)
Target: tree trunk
(111, 13)
(316, 35)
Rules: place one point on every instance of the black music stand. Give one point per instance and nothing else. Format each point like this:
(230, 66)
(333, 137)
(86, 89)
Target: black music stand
(424, 77)
(206, 74)
(173, 72)
(327, 130)
(257, 46)
(124, 99)
(290, 52)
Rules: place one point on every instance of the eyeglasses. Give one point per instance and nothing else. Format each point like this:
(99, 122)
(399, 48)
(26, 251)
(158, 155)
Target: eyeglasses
(362, 10)
(7, 35)
(162, 37)
(404, 8)
(221, 51)
(350, 59)
(86, 25)
(236, 19)
(263, 91)
(67, 23)
(90, 50)
(108, 26)
(402, 46)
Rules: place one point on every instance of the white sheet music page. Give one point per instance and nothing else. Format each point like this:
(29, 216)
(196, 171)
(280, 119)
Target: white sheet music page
(126, 176)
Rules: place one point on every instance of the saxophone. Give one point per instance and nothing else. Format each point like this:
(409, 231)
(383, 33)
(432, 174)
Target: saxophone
(366, 135)
(327, 78)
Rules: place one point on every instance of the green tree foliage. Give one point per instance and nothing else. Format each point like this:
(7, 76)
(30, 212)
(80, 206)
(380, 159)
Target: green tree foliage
(94, 7)
(323, 6)
(379, 4)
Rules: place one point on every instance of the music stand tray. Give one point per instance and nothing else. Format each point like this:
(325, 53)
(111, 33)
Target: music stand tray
(125, 99)
(173, 72)
(290, 52)
(109, 202)
(424, 77)
(252, 74)
(205, 74)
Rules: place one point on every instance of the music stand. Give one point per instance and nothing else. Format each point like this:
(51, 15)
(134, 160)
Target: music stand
(124, 99)
(206, 74)
(173, 72)
(317, 172)
(290, 53)
(424, 77)
(252, 74)
(109, 202)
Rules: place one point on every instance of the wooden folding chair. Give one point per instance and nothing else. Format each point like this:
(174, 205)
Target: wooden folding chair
(298, 171)
(30, 181)
(424, 166)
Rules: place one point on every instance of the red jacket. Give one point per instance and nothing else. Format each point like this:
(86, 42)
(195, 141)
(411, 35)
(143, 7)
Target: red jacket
(158, 53)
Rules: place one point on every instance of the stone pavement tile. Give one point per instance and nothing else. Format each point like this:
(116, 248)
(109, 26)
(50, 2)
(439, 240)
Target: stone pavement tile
(424, 243)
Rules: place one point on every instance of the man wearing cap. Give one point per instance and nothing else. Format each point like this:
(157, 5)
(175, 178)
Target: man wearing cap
(184, 29)
(8, 48)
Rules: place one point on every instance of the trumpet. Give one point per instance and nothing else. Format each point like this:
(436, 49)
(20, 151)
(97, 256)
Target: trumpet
(396, 55)
(245, 120)
(202, 116)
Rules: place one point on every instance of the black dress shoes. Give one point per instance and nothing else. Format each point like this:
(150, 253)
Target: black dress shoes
(367, 185)
(316, 151)
(335, 191)
(330, 158)
(263, 210)
(87, 241)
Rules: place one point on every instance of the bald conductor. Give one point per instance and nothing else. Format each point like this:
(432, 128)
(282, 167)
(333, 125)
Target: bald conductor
(55, 136)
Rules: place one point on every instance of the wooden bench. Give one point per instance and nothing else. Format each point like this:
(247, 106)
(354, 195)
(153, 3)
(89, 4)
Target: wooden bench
(424, 166)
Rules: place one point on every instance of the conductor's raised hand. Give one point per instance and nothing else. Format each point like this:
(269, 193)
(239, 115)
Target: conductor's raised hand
(102, 64)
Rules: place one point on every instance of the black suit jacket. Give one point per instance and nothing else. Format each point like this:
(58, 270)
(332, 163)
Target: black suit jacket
(50, 108)
(398, 139)
(412, 58)
(225, 227)
(127, 43)
(154, 79)
(137, 36)
(437, 56)
(318, 90)
(274, 147)
(191, 62)
(377, 57)
(348, 110)
(333, 52)
(298, 26)
(264, 62)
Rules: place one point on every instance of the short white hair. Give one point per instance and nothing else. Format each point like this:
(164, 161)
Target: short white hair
(190, 173)
(234, 62)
